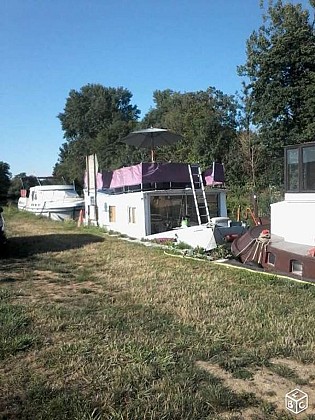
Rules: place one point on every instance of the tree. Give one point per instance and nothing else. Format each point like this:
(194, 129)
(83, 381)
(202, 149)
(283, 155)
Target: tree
(20, 181)
(206, 120)
(93, 121)
(5, 176)
(247, 154)
(280, 69)
(94, 108)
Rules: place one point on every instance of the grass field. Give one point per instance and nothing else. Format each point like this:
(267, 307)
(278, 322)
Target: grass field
(94, 327)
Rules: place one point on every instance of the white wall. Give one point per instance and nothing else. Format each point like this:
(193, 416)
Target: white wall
(294, 218)
(122, 202)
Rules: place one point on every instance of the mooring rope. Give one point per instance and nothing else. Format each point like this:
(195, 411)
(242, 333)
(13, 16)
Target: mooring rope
(260, 246)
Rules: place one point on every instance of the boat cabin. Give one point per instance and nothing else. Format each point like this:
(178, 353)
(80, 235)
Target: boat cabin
(293, 218)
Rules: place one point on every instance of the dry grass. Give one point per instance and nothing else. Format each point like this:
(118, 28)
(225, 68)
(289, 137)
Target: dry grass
(97, 328)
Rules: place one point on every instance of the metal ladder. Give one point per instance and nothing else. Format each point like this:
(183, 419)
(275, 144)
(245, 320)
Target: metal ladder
(199, 194)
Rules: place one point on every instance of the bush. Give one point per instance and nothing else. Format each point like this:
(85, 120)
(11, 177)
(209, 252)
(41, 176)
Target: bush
(243, 198)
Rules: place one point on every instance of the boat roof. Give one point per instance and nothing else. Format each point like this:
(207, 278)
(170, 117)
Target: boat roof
(53, 187)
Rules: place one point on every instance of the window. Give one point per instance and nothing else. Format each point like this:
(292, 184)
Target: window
(167, 211)
(296, 267)
(308, 168)
(271, 258)
(112, 213)
(300, 168)
(132, 214)
(213, 204)
(293, 169)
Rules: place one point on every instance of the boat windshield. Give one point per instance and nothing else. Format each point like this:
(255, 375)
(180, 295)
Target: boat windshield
(73, 194)
(300, 168)
(50, 180)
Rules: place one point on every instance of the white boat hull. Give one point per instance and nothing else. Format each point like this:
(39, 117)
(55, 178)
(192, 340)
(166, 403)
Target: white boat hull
(194, 236)
(207, 237)
(55, 213)
(64, 208)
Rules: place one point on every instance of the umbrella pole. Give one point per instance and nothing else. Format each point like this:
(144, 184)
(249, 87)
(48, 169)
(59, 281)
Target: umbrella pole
(152, 149)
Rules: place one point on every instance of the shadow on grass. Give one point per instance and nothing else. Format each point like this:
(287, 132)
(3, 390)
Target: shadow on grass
(26, 246)
(40, 401)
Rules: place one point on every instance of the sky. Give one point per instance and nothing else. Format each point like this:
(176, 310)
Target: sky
(49, 47)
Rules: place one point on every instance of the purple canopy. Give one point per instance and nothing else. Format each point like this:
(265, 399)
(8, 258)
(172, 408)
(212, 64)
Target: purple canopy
(145, 173)
(214, 175)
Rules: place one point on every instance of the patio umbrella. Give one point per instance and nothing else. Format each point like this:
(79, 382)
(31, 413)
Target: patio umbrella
(151, 138)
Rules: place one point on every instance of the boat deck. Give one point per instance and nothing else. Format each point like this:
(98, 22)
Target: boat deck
(279, 243)
(289, 257)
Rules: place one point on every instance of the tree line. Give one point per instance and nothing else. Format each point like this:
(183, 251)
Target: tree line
(247, 132)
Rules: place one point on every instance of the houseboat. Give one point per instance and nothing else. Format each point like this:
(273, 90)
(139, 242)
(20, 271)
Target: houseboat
(53, 200)
(287, 245)
(160, 201)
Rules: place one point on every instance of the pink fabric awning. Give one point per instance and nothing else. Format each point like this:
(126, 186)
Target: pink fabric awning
(146, 173)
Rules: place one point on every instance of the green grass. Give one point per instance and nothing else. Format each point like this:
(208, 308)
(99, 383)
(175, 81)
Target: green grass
(16, 331)
(94, 327)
